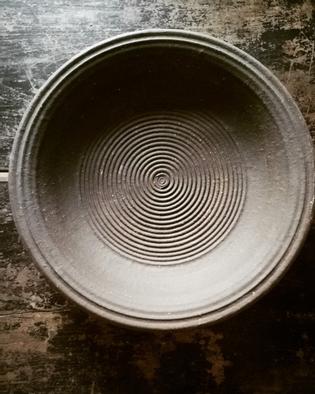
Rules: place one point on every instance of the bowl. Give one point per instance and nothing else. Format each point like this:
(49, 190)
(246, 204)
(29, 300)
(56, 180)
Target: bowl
(162, 179)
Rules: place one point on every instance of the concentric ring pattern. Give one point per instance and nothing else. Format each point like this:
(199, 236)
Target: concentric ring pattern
(163, 187)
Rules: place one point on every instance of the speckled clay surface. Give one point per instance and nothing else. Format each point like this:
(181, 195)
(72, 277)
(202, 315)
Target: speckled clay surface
(162, 179)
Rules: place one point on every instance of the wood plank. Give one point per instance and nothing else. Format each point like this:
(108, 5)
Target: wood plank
(4, 176)
(48, 345)
(37, 36)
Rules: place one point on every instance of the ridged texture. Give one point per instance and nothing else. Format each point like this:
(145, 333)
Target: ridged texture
(163, 188)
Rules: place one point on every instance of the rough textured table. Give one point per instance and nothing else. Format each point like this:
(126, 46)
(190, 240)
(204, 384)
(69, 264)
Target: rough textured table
(47, 345)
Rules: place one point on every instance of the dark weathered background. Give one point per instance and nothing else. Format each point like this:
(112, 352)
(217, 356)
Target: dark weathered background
(48, 345)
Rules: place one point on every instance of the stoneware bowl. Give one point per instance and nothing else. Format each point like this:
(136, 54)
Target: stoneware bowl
(162, 179)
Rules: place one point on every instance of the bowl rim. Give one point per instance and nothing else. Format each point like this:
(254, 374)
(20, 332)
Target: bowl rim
(78, 61)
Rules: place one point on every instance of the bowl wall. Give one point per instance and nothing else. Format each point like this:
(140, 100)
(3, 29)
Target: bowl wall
(163, 179)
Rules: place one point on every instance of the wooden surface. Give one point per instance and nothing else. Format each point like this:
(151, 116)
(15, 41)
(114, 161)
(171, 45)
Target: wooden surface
(48, 345)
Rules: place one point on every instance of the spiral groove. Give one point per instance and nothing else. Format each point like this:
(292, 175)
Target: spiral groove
(163, 188)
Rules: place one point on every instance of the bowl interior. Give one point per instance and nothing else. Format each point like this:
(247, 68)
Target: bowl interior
(164, 182)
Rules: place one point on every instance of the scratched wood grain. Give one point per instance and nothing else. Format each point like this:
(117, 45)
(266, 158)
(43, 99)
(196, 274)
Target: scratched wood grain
(50, 346)
(37, 36)
(47, 345)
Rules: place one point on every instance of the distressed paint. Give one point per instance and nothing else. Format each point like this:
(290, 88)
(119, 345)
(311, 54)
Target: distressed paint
(38, 36)
(47, 344)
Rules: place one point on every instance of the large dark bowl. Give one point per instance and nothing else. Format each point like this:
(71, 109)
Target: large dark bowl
(162, 179)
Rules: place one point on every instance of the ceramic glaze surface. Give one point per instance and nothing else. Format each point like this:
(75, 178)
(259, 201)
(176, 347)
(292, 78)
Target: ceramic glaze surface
(162, 179)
